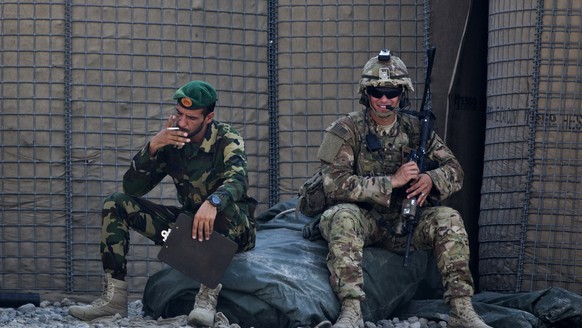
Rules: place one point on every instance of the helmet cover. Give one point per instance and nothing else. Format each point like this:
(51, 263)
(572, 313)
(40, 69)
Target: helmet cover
(388, 72)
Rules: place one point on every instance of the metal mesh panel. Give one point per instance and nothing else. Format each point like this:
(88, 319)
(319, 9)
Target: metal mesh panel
(530, 214)
(32, 201)
(323, 46)
(85, 85)
(149, 52)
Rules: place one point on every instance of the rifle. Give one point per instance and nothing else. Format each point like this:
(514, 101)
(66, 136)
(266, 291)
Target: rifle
(427, 118)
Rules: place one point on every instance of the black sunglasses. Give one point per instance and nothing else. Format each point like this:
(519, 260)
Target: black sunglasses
(388, 92)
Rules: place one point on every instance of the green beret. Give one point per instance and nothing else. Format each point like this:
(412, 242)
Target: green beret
(195, 94)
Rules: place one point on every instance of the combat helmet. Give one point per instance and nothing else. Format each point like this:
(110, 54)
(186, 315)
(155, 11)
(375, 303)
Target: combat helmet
(385, 70)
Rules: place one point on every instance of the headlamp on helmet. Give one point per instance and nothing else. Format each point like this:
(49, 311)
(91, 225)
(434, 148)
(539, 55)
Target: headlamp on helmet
(384, 55)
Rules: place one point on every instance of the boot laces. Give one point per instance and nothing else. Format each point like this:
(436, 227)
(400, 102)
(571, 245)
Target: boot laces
(349, 316)
(464, 311)
(106, 296)
(206, 299)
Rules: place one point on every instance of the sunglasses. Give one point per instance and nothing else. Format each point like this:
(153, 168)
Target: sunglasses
(388, 92)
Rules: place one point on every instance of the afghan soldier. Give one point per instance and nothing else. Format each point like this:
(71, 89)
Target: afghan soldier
(207, 161)
(367, 175)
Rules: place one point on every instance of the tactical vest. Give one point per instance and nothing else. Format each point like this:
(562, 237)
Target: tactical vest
(395, 146)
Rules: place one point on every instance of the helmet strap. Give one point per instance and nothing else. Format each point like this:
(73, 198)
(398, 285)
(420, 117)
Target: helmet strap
(365, 100)
(404, 100)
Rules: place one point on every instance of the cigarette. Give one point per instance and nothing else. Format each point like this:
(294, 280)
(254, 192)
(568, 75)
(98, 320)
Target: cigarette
(173, 128)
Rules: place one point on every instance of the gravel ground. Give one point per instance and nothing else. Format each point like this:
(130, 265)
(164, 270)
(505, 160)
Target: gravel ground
(55, 315)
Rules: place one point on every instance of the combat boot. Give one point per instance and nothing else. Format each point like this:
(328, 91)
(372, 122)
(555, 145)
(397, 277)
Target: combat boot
(204, 307)
(351, 315)
(112, 301)
(463, 315)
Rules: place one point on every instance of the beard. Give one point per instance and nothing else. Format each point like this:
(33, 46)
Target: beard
(195, 132)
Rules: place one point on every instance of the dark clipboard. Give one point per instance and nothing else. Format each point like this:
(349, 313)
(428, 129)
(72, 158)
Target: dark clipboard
(204, 261)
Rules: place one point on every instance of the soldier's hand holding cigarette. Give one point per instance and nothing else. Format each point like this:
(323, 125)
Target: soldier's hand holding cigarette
(169, 135)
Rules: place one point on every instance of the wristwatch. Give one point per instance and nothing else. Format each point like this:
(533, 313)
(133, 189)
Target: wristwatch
(215, 200)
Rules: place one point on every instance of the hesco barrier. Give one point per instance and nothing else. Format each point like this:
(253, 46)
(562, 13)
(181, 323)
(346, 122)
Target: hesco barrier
(530, 226)
(85, 84)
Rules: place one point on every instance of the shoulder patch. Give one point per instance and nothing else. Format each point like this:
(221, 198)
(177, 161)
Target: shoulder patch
(329, 147)
(340, 131)
(341, 128)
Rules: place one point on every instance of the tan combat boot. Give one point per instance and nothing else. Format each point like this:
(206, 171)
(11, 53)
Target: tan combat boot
(112, 301)
(204, 307)
(463, 315)
(351, 315)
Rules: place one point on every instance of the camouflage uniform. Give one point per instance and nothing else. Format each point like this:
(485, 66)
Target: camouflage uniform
(367, 208)
(217, 165)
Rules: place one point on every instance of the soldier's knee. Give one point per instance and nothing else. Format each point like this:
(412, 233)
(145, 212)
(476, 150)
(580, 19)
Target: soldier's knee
(446, 217)
(116, 199)
(455, 220)
(451, 225)
(341, 218)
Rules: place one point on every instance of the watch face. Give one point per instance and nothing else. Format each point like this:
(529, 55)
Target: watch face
(215, 200)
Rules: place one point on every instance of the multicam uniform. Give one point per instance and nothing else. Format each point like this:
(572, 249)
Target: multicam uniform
(367, 208)
(217, 165)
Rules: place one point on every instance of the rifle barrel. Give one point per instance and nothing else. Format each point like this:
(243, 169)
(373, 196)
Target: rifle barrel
(426, 118)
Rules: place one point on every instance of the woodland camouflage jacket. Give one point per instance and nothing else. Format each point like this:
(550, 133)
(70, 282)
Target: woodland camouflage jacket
(217, 165)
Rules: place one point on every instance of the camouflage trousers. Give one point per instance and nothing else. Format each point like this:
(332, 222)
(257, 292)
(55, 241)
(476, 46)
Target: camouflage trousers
(348, 228)
(121, 212)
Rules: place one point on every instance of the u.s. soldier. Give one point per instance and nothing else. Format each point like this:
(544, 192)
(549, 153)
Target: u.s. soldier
(366, 176)
(207, 161)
